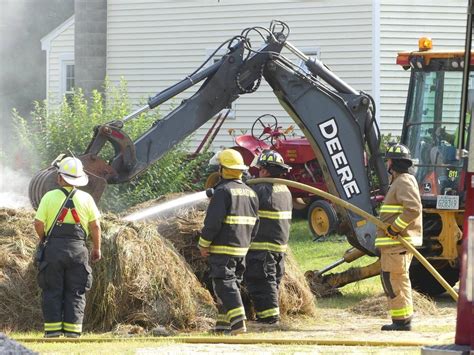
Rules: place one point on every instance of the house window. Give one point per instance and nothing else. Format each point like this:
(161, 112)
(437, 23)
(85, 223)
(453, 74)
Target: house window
(69, 82)
(67, 76)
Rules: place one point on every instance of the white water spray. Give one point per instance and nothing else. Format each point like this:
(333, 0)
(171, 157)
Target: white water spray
(155, 211)
(13, 188)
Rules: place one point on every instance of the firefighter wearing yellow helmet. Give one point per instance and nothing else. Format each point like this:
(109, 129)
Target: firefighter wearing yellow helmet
(64, 219)
(231, 223)
(402, 210)
(266, 257)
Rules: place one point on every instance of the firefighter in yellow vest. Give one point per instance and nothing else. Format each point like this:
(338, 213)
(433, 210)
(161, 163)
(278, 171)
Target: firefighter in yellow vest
(231, 223)
(402, 210)
(65, 217)
(266, 258)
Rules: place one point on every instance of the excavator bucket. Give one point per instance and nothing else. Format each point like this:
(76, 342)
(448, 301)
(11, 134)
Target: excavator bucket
(46, 179)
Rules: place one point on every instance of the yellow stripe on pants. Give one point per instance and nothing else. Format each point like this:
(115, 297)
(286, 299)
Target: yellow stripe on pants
(71, 327)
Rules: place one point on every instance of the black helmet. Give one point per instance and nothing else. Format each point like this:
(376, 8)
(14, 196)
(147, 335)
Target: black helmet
(270, 158)
(399, 152)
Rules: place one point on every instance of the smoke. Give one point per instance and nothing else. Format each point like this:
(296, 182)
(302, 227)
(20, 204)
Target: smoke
(22, 80)
(13, 188)
(22, 62)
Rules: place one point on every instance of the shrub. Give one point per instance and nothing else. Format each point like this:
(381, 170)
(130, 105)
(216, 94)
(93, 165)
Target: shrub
(69, 127)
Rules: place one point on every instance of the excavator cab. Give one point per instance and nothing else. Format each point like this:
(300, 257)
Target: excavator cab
(438, 146)
(431, 125)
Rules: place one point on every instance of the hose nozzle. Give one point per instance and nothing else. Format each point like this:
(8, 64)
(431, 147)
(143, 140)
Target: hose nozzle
(210, 192)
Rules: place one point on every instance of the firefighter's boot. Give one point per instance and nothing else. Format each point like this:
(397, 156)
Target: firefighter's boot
(399, 325)
(53, 334)
(238, 328)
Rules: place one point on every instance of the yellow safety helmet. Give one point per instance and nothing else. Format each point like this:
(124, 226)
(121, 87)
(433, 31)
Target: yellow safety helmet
(72, 171)
(231, 159)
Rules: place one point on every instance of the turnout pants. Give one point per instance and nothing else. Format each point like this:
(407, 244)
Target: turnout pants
(395, 262)
(262, 279)
(226, 274)
(64, 276)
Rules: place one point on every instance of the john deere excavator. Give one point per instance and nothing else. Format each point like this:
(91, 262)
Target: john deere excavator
(338, 121)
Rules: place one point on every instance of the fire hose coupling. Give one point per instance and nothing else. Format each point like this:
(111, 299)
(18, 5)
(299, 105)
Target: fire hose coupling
(210, 192)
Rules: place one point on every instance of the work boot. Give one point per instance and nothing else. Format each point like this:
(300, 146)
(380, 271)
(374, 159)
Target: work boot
(238, 328)
(399, 325)
(72, 334)
(53, 334)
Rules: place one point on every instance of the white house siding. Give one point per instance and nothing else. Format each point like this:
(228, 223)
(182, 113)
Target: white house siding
(402, 23)
(61, 46)
(154, 44)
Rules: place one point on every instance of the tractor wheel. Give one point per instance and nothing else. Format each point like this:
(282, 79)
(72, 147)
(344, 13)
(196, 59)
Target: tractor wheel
(424, 282)
(212, 180)
(322, 218)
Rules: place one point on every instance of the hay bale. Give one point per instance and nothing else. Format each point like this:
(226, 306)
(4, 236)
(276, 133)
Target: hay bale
(183, 231)
(376, 306)
(141, 279)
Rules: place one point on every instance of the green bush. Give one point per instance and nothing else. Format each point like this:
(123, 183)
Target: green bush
(69, 128)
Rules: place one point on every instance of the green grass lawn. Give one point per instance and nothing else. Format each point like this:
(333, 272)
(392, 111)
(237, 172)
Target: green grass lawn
(315, 255)
(168, 347)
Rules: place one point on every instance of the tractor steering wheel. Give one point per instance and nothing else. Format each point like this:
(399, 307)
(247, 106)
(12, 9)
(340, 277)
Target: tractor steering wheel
(265, 128)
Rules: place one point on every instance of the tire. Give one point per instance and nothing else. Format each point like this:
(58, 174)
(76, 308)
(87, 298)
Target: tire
(322, 218)
(425, 283)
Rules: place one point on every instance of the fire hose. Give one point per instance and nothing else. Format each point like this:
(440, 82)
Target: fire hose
(241, 340)
(338, 201)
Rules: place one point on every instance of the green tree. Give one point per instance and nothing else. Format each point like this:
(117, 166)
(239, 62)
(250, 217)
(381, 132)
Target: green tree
(69, 127)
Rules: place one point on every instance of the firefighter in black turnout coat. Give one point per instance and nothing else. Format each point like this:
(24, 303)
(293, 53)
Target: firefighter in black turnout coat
(230, 224)
(265, 259)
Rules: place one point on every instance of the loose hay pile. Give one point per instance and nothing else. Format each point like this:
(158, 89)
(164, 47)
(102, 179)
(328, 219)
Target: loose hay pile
(19, 294)
(140, 280)
(376, 306)
(143, 279)
(145, 282)
(296, 297)
(183, 231)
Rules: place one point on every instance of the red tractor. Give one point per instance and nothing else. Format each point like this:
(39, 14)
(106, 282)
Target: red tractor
(298, 153)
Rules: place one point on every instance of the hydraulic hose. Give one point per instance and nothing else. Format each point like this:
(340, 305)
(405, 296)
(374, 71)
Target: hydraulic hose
(369, 217)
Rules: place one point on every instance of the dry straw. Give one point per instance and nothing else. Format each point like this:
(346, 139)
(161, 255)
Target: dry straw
(376, 306)
(141, 280)
(183, 230)
(151, 274)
